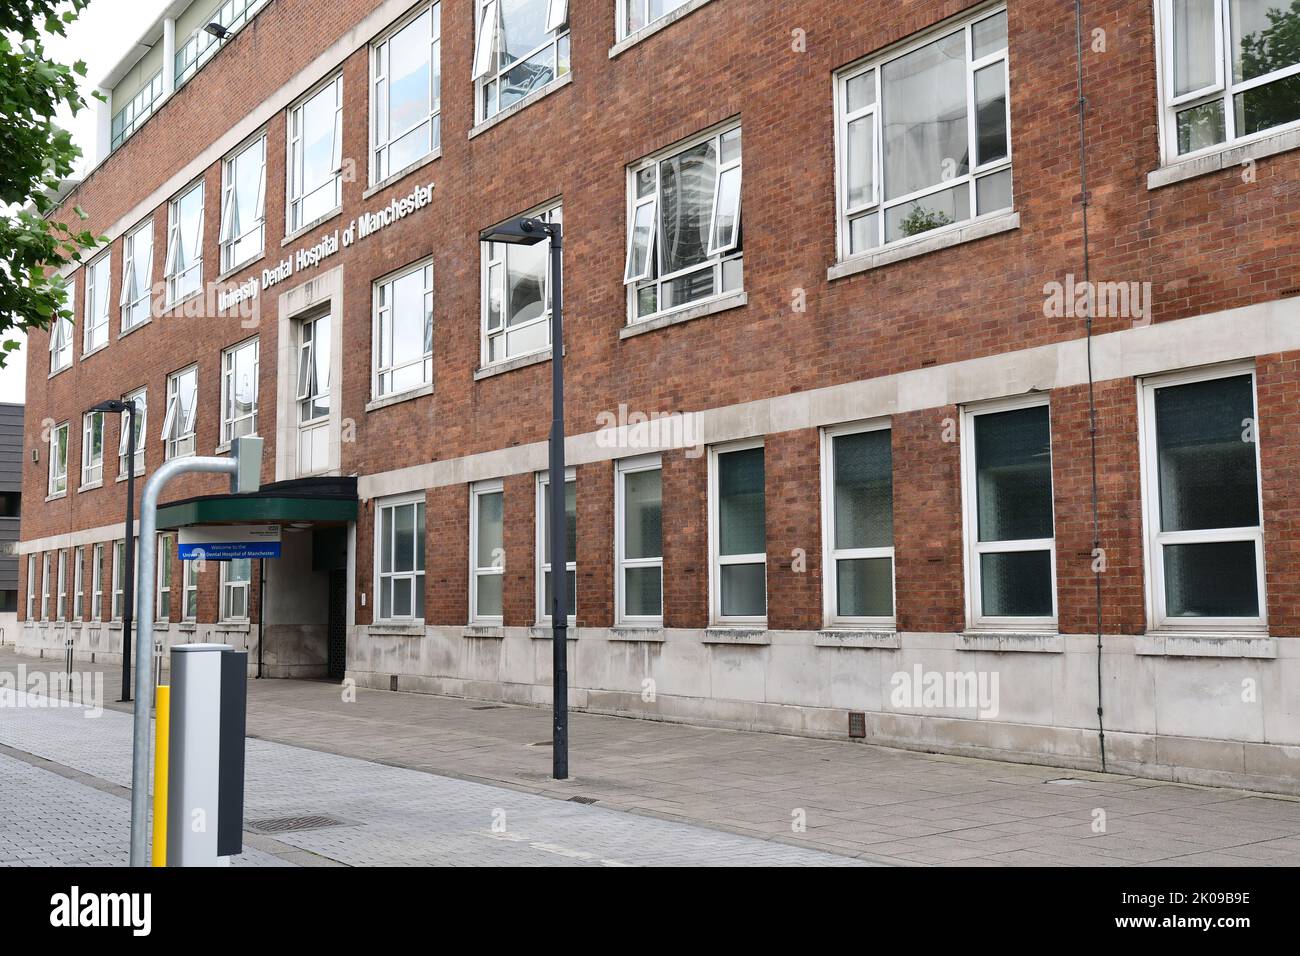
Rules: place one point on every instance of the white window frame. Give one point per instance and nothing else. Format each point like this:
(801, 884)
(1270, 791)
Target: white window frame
(45, 586)
(61, 600)
(1223, 89)
(380, 88)
(78, 583)
(487, 68)
(31, 587)
(844, 215)
(718, 255)
(230, 421)
(92, 469)
(227, 240)
(716, 558)
(94, 324)
(119, 578)
(62, 329)
(309, 387)
(1156, 539)
(384, 364)
(126, 304)
(385, 507)
(973, 547)
(140, 397)
(295, 189)
(96, 581)
(623, 468)
(540, 512)
(476, 492)
(178, 431)
(189, 584)
(228, 587)
(832, 555)
(58, 481)
(174, 233)
(623, 8)
(494, 274)
(163, 585)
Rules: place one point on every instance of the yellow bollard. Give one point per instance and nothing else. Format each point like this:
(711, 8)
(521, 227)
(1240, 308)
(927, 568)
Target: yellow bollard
(161, 738)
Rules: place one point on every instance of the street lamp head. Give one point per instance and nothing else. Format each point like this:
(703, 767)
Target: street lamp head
(217, 30)
(524, 231)
(109, 405)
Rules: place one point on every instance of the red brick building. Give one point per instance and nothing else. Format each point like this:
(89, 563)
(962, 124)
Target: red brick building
(846, 289)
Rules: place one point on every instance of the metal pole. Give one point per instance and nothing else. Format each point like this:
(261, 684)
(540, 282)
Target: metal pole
(128, 579)
(144, 644)
(261, 610)
(559, 543)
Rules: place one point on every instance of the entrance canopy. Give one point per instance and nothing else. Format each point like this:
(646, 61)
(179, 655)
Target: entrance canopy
(324, 501)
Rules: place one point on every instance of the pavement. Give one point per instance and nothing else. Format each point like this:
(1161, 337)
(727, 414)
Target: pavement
(416, 779)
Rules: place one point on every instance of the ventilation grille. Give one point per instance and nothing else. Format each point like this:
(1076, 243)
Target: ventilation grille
(306, 821)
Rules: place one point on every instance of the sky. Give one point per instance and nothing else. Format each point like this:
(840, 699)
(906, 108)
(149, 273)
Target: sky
(104, 32)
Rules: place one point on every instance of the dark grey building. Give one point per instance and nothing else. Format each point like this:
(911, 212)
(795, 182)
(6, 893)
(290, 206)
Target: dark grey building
(11, 487)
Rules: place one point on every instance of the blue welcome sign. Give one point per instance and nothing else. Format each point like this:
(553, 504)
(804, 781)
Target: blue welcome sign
(229, 542)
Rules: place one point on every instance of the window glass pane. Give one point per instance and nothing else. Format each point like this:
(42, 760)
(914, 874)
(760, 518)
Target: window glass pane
(572, 597)
(929, 212)
(864, 511)
(386, 541)
(401, 597)
(744, 591)
(990, 35)
(528, 75)
(525, 279)
(408, 83)
(490, 540)
(686, 202)
(523, 27)
(643, 514)
(1194, 52)
(1016, 584)
(727, 220)
(991, 113)
(924, 116)
(489, 595)
(993, 192)
(1013, 475)
(860, 156)
(860, 91)
(864, 587)
(643, 592)
(1214, 579)
(241, 569)
(1201, 126)
(1264, 37)
(864, 232)
(1272, 104)
(741, 519)
(404, 538)
(642, 235)
(1206, 466)
(318, 128)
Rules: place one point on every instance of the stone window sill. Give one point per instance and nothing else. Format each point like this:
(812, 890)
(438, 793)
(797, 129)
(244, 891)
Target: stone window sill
(643, 633)
(945, 238)
(729, 300)
(90, 486)
(396, 399)
(240, 267)
(552, 87)
(401, 174)
(845, 637)
(542, 632)
(58, 371)
(397, 629)
(489, 631)
(1181, 644)
(311, 226)
(509, 365)
(1180, 170)
(95, 351)
(1031, 642)
(233, 627)
(651, 29)
(737, 635)
(135, 328)
(56, 496)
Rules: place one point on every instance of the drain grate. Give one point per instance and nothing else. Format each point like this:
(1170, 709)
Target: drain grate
(586, 801)
(489, 707)
(306, 821)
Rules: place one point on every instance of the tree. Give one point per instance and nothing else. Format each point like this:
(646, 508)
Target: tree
(37, 156)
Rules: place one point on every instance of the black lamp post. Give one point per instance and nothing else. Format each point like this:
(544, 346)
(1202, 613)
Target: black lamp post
(529, 231)
(128, 574)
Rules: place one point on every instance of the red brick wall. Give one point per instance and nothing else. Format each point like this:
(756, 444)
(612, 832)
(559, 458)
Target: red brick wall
(1278, 407)
(792, 489)
(446, 577)
(595, 503)
(686, 542)
(519, 604)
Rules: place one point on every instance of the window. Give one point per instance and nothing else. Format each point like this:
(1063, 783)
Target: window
(11, 504)
(184, 266)
(639, 544)
(683, 226)
(45, 586)
(316, 155)
(202, 45)
(141, 417)
(59, 459)
(119, 572)
(406, 80)
(243, 205)
(313, 394)
(61, 604)
(141, 106)
(78, 584)
(236, 577)
(92, 449)
(182, 409)
(98, 278)
(858, 501)
(239, 371)
(1230, 71)
(137, 276)
(96, 580)
(545, 595)
(399, 551)
(487, 551)
(190, 580)
(635, 14)
(164, 577)
(923, 136)
(31, 586)
(738, 534)
(403, 332)
(62, 328)
(516, 296)
(1201, 490)
(1010, 546)
(521, 45)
